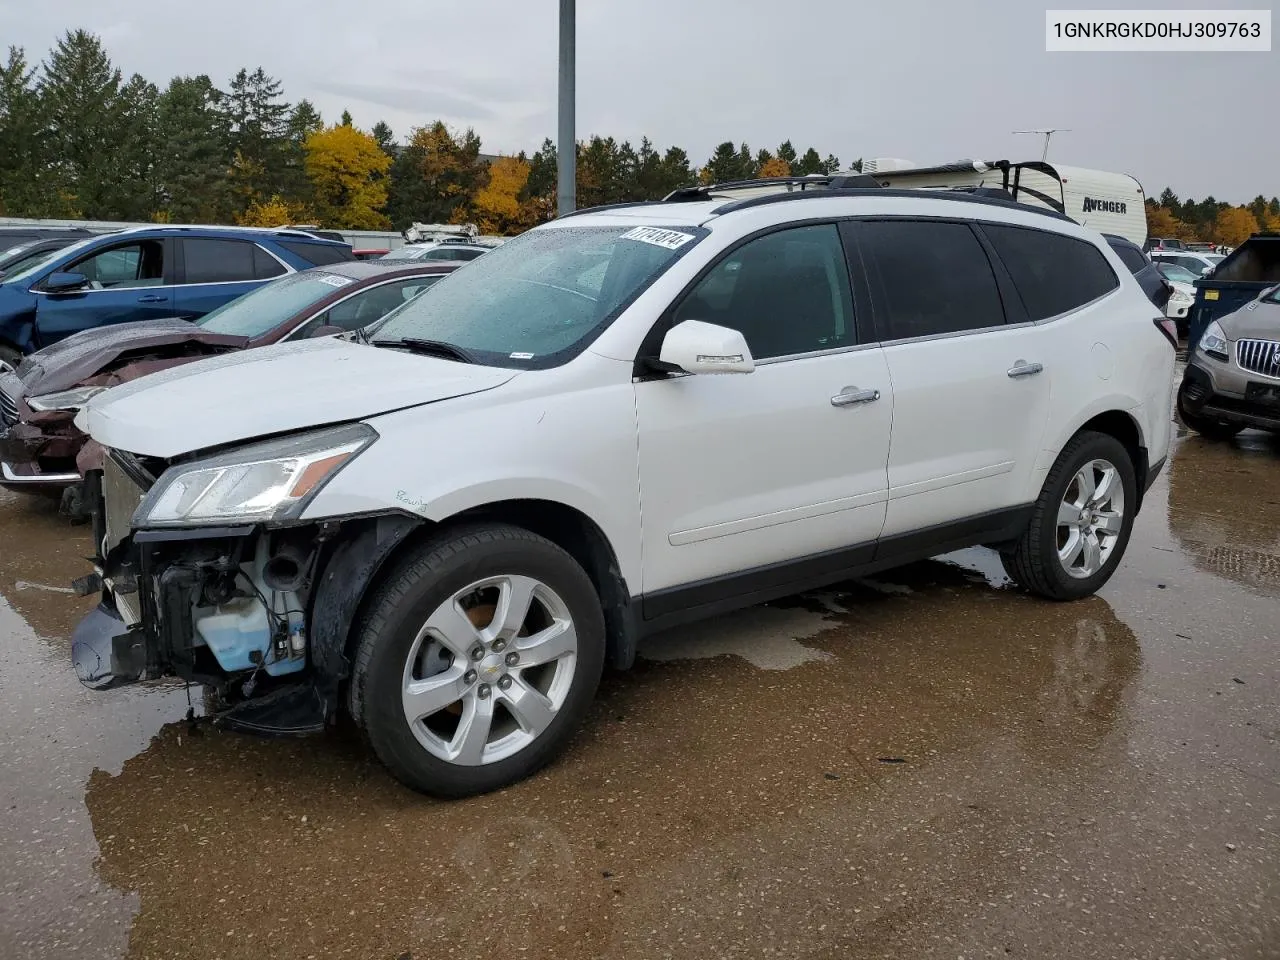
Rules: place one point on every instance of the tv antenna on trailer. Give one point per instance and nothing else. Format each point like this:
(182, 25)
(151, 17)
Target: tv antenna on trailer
(1047, 134)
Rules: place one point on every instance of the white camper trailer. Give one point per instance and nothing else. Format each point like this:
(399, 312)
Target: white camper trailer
(1106, 202)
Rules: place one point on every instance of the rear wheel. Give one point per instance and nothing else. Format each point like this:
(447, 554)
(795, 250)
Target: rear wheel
(1081, 522)
(477, 660)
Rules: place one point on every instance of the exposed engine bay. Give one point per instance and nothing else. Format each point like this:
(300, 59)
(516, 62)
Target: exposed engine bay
(258, 615)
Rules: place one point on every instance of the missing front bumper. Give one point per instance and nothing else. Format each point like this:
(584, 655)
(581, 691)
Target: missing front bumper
(106, 652)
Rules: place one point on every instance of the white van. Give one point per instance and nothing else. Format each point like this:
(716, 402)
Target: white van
(1107, 202)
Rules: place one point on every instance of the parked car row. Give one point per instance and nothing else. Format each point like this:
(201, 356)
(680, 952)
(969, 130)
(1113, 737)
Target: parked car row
(624, 419)
(41, 447)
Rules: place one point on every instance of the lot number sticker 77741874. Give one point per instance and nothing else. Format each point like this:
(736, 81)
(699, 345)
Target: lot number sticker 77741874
(671, 239)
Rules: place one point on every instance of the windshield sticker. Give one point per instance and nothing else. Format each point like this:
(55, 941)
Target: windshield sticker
(522, 356)
(671, 239)
(334, 281)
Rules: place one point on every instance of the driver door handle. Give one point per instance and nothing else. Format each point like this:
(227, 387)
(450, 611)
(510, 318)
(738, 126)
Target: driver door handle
(1024, 369)
(852, 395)
(152, 298)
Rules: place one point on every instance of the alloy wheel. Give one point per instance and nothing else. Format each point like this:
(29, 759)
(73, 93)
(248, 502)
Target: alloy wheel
(489, 670)
(1090, 519)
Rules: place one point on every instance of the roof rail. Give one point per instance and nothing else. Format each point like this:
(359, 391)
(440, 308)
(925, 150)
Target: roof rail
(835, 181)
(846, 184)
(985, 195)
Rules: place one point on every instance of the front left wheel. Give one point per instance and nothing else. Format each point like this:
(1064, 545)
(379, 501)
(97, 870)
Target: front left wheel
(477, 659)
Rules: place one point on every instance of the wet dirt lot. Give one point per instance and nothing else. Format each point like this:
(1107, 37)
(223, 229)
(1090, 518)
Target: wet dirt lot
(924, 765)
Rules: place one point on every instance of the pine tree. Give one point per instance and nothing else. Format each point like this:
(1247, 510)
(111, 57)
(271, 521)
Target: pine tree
(384, 137)
(346, 118)
(135, 192)
(810, 163)
(193, 152)
(26, 189)
(787, 154)
(262, 138)
(81, 105)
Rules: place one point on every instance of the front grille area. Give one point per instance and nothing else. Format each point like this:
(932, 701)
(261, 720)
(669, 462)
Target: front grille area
(1259, 356)
(8, 410)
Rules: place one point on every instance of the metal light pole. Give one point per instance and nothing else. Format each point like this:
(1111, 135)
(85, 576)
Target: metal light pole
(567, 150)
(1047, 134)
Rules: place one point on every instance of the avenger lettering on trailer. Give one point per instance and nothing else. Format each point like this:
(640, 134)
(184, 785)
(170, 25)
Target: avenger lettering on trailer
(1105, 206)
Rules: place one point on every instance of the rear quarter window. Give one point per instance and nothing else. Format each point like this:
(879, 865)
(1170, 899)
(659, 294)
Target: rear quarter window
(318, 254)
(1131, 257)
(1054, 274)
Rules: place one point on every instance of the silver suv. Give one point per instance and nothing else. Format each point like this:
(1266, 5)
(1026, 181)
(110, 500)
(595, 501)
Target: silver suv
(1233, 378)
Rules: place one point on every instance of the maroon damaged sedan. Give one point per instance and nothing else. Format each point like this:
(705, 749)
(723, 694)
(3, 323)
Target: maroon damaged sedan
(40, 447)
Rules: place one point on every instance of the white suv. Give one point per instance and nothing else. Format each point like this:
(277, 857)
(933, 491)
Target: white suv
(621, 420)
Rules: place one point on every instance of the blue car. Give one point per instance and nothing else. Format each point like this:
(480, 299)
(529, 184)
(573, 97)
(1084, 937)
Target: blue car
(148, 273)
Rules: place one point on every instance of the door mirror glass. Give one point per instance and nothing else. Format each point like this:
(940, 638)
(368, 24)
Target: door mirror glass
(697, 347)
(63, 282)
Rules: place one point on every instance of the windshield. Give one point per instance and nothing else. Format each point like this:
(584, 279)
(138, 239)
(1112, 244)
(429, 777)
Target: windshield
(31, 268)
(542, 297)
(264, 309)
(21, 264)
(1177, 274)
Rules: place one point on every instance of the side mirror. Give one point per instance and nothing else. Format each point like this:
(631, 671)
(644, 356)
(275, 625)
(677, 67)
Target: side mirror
(698, 347)
(325, 331)
(64, 282)
(1206, 271)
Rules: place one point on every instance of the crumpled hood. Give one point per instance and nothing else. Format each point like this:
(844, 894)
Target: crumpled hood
(254, 393)
(1255, 320)
(68, 362)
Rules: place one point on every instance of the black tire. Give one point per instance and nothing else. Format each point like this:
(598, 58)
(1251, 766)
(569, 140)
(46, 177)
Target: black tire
(72, 504)
(408, 594)
(1209, 429)
(1033, 561)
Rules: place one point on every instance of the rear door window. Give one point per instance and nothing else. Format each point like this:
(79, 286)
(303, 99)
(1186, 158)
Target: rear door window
(319, 254)
(218, 261)
(1054, 274)
(929, 278)
(265, 266)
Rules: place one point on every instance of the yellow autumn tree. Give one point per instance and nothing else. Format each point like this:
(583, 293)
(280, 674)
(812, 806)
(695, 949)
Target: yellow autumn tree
(347, 170)
(1234, 225)
(775, 167)
(274, 212)
(497, 204)
(1162, 223)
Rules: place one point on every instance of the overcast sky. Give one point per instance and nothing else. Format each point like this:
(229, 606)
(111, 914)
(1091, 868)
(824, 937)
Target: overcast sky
(926, 81)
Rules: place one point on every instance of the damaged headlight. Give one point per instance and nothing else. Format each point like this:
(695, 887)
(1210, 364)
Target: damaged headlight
(266, 481)
(73, 399)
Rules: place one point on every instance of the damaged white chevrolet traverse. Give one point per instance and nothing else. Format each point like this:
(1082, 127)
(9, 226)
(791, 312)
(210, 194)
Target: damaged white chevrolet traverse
(621, 420)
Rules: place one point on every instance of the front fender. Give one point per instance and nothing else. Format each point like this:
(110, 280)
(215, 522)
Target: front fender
(18, 321)
(576, 448)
